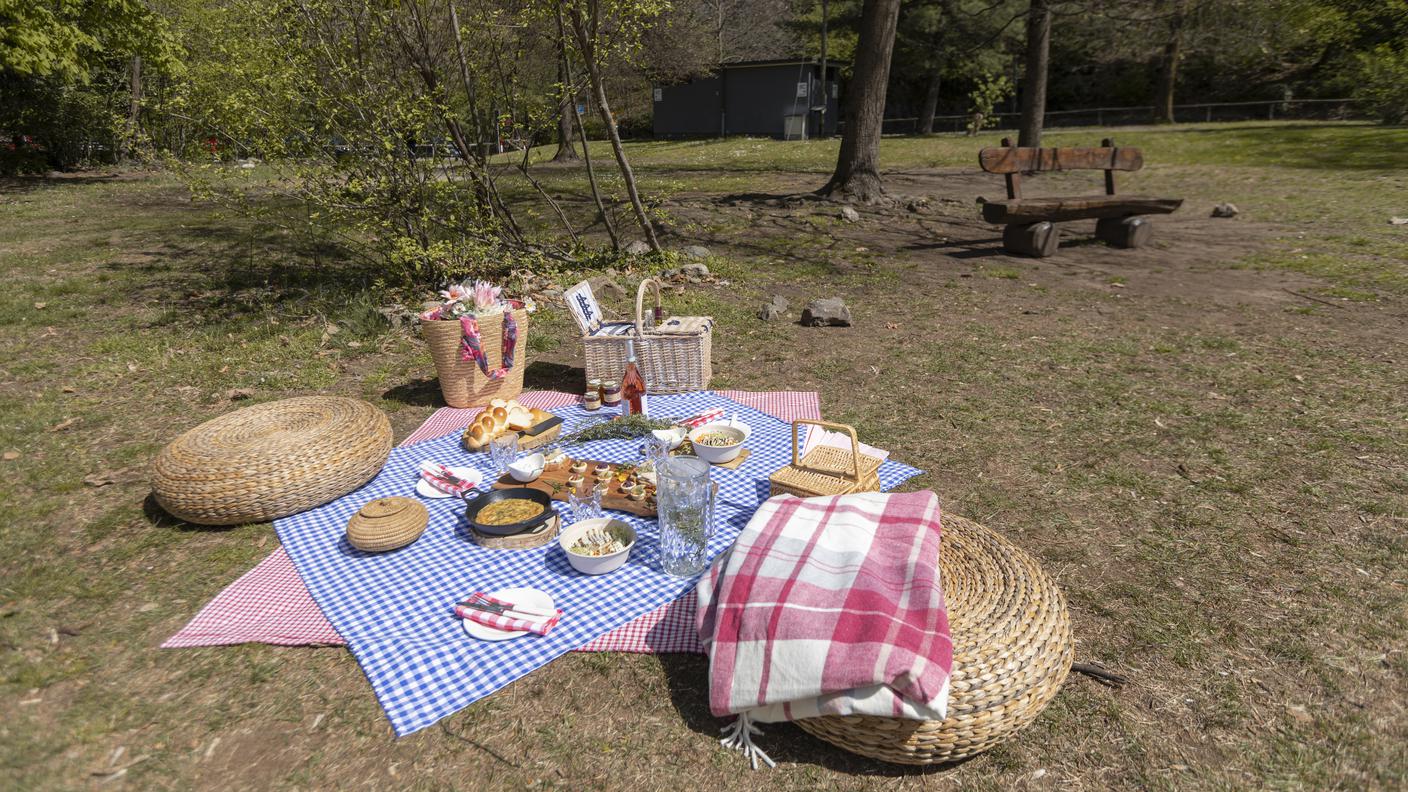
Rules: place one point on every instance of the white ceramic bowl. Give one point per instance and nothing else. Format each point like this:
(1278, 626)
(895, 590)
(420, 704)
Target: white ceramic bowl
(717, 455)
(527, 468)
(596, 565)
(672, 437)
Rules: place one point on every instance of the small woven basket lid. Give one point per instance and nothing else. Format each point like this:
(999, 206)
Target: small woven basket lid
(386, 524)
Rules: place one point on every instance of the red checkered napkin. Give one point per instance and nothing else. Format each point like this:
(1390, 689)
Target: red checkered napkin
(702, 418)
(502, 622)
(441, 478)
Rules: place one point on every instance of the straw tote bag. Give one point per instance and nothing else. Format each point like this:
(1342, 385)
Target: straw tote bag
(462, 382)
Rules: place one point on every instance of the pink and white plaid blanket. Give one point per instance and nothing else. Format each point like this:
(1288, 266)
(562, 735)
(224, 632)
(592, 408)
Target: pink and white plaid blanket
(829, 606)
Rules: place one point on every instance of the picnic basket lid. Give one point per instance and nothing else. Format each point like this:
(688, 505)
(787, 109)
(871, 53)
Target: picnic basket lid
(825, 470)
(271, 460)
(386, 524)
(1012, 649)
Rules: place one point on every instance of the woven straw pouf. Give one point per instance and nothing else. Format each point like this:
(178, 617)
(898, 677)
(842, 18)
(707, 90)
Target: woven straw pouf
(271, 460)
(386, 524)
(1012, 650)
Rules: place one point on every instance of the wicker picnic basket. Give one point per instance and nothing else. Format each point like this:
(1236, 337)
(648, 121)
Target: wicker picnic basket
(826, 470)
(670, 362)
(461, 382)
(271, 460)
(1012, 649)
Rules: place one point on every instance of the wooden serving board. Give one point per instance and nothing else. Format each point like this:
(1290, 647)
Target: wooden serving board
(525, 442)
(525, 541)
(553, 481)
(687, 450)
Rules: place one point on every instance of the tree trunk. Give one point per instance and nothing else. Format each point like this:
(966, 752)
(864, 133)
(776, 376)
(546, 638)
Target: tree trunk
(586, 146)
(858, 164)
(588, 49)
(1168, 73)
(931, 104)
(1034, 85)
(566, 106)
(134, 105)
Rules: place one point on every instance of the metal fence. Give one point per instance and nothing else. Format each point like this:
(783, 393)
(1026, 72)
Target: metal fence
(1307, 109)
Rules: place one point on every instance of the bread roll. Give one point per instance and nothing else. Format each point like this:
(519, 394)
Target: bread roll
(520, 419)
(498, 403)
(476, 437)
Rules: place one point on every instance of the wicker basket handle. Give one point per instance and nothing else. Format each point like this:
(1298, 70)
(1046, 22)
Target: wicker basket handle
(640, 302)
(797, 448)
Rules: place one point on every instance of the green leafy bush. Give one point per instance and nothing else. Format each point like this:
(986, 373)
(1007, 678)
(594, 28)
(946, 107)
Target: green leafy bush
(1383, 82)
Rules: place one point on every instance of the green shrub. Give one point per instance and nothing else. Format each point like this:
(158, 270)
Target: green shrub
(1383, 82)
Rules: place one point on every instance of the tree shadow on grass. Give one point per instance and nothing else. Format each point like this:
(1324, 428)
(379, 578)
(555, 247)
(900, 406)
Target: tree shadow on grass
(423, 392)
(540, 375)
(212, 271)
(543, 375)
(16, 185)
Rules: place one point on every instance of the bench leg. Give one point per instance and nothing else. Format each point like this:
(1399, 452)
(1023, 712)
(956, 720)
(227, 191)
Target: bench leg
(1124, 232)
(1034, 239)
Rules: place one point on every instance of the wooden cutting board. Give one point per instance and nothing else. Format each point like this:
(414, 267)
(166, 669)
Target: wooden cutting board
(553, 481)
(526, 442)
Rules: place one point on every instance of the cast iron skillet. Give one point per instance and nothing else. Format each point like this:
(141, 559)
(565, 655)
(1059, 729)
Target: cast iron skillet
(476, 503)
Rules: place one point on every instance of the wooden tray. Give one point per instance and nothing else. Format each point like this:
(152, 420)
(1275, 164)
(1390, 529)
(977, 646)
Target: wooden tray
(553, 481)
(525, 443)
(524, 541)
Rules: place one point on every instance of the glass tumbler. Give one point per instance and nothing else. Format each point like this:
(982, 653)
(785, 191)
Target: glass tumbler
(503, 451)
(656, 452)
(685, 502)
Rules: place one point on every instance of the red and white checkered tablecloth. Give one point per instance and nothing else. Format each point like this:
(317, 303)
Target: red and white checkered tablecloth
(270, 603)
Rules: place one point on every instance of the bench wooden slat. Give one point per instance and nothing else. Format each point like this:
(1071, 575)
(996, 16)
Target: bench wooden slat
(1025, 159)
(1034, 210)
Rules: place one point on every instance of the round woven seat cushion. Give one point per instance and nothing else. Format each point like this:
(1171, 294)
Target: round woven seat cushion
(1012, 650)
(271, 460)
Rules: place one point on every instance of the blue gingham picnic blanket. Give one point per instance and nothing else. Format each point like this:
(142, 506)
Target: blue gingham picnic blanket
(395, 609)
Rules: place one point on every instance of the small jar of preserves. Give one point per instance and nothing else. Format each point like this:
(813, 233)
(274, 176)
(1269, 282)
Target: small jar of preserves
(610, 393)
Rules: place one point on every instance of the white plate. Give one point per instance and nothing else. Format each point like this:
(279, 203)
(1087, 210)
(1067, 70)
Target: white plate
(528, 597)
(427, 490)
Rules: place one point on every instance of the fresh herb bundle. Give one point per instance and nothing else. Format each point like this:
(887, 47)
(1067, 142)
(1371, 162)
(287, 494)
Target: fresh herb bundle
(624, 428)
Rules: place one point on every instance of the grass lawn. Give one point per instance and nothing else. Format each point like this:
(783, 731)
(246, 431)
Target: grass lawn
(1204, 441)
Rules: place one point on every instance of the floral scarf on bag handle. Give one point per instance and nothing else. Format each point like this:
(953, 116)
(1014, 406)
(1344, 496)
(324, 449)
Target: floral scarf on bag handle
(471, 348)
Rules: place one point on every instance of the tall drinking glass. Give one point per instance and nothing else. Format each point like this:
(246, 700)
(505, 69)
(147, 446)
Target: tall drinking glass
(685, 501)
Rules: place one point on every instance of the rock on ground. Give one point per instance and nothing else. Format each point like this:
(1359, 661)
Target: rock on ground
(696, 252)
(827, 312)
(604, 287)
(774, 308)
(638, 248)
(1225, 210)
(850, 215)
(697, 270)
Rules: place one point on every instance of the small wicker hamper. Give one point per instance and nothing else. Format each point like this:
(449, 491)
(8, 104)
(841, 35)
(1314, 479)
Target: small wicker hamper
(671, 362)
(826, 470)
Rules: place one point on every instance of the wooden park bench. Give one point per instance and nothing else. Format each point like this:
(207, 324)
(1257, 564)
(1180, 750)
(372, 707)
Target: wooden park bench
(1031, 222)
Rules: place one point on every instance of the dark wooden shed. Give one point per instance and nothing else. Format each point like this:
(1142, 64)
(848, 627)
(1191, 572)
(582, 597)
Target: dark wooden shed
(772, 98)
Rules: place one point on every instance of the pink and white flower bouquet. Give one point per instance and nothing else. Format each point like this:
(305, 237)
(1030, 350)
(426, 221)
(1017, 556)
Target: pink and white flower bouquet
(479, 298)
